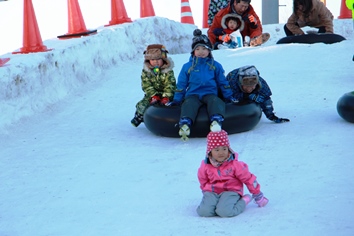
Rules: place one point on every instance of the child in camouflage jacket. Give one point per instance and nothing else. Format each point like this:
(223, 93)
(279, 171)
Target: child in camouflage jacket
(157, 80)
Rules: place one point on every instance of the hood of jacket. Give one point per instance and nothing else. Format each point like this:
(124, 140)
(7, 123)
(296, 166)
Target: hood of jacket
(240, 22)
(166, 67)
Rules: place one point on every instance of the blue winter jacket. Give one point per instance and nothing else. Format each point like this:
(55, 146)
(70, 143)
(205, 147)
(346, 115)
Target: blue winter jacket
(201, 76)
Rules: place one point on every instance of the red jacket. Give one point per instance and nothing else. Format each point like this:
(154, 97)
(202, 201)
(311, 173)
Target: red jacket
(247, 31)
(230, 176)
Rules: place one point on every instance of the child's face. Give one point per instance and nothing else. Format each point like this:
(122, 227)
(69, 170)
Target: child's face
(201, 51)
(248, 89)
(220, 154)
(156, 62)
(232, 24)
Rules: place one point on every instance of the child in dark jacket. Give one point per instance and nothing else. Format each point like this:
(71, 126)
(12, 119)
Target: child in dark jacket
(246, 84)
(222, 176)
(157, 80)
(198, 84)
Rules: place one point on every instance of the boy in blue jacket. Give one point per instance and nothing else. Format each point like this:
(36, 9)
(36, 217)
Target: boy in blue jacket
(198, 84)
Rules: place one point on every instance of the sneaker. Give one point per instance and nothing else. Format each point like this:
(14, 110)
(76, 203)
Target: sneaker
(216, 123)
(184, 128)
(138, 118)
(259, 40)
(247, 198)
(262, 202)
(215, 126)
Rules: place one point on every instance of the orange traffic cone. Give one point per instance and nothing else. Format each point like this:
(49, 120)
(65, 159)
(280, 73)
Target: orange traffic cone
(32, 40)
(205, 13)
(3, 61)
(345, 13)
(77, 27)
(118, 13)
(186, 13)
(146, 8)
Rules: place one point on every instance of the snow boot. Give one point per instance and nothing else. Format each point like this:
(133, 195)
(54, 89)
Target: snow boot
(184, 128)
(216, 123)
(247, 198)
(138, 118)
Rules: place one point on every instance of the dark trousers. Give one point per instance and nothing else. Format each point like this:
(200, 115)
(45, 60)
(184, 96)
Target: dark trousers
(191, 105)
(321, 30)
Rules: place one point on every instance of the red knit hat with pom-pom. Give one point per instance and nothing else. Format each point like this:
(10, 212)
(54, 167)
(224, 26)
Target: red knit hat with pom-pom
(217, 139)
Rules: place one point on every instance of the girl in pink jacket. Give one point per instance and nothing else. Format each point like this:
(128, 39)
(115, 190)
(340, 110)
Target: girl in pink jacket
(221, 177)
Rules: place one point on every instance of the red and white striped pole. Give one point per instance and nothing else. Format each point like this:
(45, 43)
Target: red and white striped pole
(186, 13)
(205, 13)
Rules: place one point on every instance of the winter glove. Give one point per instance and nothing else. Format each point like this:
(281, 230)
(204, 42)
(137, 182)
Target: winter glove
(173, 103)
(252, 20)
(225, 38)
(218, 31)
(164, 101)
(154, 99)
(277, 119)
(256, 97)
(232, 100)
(260, 200)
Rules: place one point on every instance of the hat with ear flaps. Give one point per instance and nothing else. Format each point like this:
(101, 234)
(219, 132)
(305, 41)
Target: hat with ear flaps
(248, 76)
(200, 39)
(155, 52)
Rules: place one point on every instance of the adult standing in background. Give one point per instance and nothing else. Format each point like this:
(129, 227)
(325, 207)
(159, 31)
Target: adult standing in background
(214, 7)
(252, 27)
(312, 13)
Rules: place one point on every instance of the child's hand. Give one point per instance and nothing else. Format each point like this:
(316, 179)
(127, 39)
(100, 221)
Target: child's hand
(256, 97)
(164, 101)
(225, 38)
(260, 200)
(154, 99)
(232, 100)
(277, 119)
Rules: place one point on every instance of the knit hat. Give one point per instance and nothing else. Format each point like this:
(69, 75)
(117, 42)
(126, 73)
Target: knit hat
(155, 51)
(248, 75)
(217, 139)
(200, 39)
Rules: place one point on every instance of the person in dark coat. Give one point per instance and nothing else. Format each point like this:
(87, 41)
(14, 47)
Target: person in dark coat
(247, 84)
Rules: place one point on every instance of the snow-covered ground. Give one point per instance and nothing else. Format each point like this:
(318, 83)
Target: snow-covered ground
(71, 163)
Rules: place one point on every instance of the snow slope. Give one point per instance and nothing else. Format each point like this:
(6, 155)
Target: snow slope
(71, 163)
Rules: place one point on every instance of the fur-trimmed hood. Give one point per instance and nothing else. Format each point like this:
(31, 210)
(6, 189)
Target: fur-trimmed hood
(166, 67)
(238, 18)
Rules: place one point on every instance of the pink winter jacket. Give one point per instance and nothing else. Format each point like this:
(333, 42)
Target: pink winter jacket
(230, 176)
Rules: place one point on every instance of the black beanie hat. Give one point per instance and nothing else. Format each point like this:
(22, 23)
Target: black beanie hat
(200, 39)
